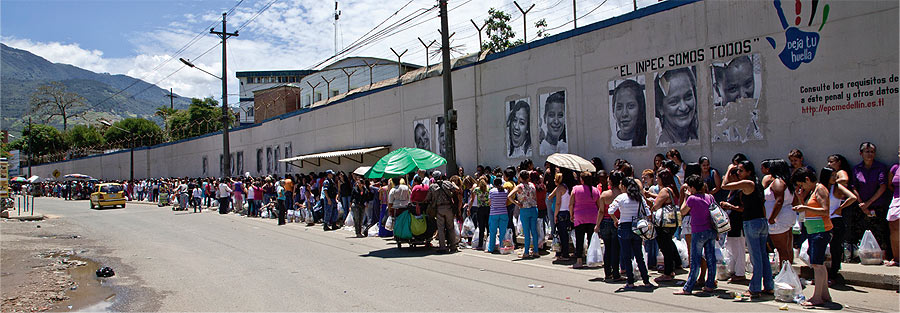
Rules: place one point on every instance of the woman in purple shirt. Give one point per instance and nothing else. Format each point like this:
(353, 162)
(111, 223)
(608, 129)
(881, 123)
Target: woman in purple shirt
(703, 236)
(893, 215)
(870, 180)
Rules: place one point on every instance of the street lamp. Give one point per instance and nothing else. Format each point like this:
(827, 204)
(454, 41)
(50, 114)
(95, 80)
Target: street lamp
(226, 148)
(108, 124)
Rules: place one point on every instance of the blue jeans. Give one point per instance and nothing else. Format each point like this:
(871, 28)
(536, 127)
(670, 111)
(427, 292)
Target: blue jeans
(652, 249)
(345, 203)
(611, 258)
(630, 247)
(702, 242)
(497, 226)
(756, 232)
(529, 216)
(331, 214)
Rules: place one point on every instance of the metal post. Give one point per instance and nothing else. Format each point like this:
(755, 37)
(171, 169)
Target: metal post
(399, 65)
(479, 32)
(524, 21)
(574, 14)
(371, 69)
(132, 162)
(449, 112)
(28, 143)
(327, 87)
(427, 65)
(226, 149)
(312, 98)
(348, 77)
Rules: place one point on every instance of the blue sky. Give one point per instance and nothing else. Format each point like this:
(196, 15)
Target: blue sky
(142, 38)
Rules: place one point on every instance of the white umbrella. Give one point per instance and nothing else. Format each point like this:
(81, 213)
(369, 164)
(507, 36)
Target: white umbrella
(571, 161)
(362, 170)
(33, 179)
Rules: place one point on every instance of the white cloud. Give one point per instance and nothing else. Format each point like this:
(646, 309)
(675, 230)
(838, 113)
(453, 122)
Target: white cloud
(297, 34)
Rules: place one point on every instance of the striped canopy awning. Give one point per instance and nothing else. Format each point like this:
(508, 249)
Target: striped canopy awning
(335, 157)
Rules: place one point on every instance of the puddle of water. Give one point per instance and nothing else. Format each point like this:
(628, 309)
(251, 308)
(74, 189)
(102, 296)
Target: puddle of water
(90, 295)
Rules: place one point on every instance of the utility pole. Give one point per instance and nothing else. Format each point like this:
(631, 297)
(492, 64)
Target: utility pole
(29, 141)
(172, 97)
(449, 112)
(337, 15)
(226, 149)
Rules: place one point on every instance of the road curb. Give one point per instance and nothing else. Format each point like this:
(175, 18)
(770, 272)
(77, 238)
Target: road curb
(880, 281)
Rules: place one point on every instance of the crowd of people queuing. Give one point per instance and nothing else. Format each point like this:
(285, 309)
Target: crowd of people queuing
(766, 205)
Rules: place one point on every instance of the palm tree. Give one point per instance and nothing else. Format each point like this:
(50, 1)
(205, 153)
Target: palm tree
(165, 112)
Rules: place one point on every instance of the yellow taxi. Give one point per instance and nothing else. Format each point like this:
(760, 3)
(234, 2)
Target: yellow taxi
(108, 195)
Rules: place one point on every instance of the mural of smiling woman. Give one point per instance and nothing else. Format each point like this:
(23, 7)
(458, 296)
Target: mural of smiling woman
(627, 112)
(553, 123)
(676, 106)
(518, 126)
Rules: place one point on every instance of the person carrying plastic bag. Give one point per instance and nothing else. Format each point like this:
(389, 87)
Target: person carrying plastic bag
(812, 199)
(703, 234)
(498, 219)
(595, 252)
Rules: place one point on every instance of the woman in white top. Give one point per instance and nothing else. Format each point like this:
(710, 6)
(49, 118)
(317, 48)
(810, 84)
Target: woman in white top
(398, 197)
(628, 203)
(562, 218)
(779, 196)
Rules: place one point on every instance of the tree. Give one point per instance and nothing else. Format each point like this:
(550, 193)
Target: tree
(499, 33)
(82, 136)
(43, 140)
(52, 100)
(133, 131)
(201, 117)
(541, 26)
(165, 112)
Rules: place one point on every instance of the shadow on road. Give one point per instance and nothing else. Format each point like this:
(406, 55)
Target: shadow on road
(392, 253)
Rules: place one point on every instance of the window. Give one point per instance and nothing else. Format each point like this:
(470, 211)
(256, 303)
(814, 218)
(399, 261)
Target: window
(111, 188)
(205, 166)
(250, 112)
(277, 152)
(318, 96)
(259, 160)
(240, 163)
(335, 92)
(221, 165)
(288, 152)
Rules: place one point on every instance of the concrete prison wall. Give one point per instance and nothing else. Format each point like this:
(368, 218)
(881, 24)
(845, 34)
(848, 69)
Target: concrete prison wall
(708, 78)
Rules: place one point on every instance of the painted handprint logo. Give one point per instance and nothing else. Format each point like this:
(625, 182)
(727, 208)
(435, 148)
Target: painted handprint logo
(800, 46)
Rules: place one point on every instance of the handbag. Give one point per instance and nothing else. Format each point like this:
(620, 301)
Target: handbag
(667, 216)
(641, 224)
(418, 225)
(718, 217)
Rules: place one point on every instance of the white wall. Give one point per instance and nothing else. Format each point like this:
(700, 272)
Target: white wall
(858, 41)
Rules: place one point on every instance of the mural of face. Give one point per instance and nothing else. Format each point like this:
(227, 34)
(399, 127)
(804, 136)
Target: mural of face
(519, 128)
(626, 112)
(739, 81)
(680, 102)
(555, 117)
(421, 137)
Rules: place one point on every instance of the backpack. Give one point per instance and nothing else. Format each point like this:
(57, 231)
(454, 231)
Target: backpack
(451, 196)
(331, 190)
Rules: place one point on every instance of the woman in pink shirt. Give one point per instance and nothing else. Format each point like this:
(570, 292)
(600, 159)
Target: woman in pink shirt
(584, 205)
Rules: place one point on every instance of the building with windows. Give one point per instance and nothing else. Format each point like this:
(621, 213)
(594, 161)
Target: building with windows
(313, 85)
(275, 101)
(261, 80)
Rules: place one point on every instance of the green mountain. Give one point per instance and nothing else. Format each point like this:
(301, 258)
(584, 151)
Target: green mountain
(22, 72)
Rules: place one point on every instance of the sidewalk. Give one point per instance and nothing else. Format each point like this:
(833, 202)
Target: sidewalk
(22, 216)
(855, 274)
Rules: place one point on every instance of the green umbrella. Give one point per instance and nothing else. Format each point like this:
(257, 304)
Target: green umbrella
(404, 161)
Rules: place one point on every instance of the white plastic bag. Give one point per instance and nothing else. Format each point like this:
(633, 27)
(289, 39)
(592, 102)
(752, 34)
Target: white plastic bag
(508, 239)
(389, 224)
(475, 238)
(681, 245)
(373, 232)
(595, 252)
(468, 228)
(542, 235)
(518, 224)
(787, 284)
(349, 220)
(264, 214)
(804, 253)
(870, 252)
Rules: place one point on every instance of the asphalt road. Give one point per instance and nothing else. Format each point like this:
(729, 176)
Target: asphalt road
(178, 261)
